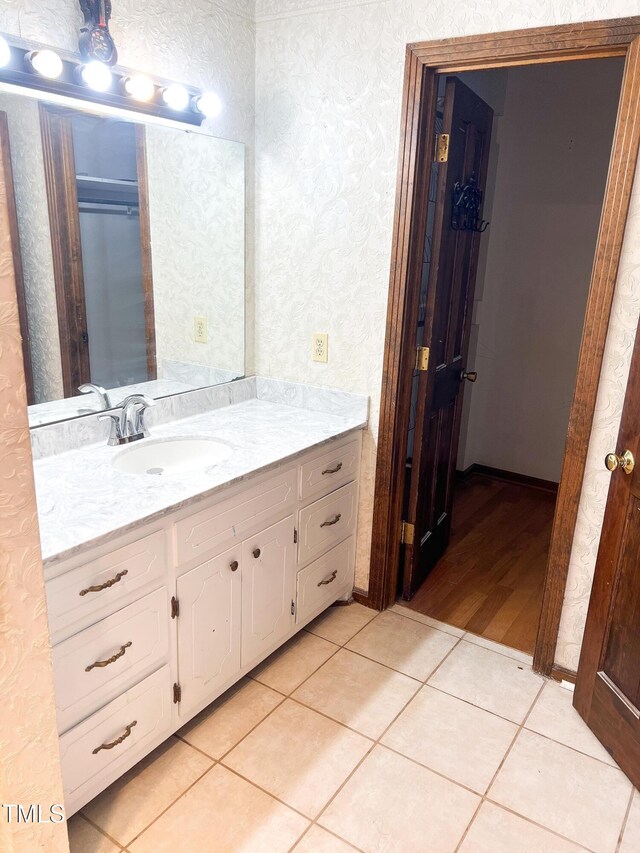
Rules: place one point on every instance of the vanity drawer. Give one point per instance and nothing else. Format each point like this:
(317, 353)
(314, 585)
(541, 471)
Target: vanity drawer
(132, 721)
(319, 584)
(211, 530)
(325, 473)
(326, 522)
(119, 651)
(92, 591)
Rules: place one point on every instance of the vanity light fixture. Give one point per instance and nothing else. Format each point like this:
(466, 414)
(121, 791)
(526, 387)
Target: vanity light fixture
(139, 87)
(209, 104)
(176, 97)
(46, 63)
(97, 81)
(5, 52)
(96, 76)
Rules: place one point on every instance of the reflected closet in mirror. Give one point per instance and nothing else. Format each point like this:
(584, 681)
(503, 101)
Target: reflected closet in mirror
(130, 240)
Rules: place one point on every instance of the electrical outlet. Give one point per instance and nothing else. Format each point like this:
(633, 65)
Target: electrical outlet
(200, 330)
(321, 347)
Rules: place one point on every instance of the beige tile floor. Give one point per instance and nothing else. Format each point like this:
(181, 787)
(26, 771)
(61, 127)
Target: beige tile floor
(384, 732)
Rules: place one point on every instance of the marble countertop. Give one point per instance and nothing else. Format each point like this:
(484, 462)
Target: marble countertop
(83, 500)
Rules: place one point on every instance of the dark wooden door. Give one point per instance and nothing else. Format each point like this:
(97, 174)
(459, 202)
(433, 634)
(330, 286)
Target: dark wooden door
(607, 693)
(449, 301)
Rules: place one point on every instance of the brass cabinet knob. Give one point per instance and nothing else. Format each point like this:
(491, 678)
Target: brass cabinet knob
(626, 461)
(470, 376)
(256, 553)
(234, 566)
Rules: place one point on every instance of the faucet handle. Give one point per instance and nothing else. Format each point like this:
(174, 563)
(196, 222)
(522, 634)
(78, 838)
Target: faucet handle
(130, 427)
(115, 431)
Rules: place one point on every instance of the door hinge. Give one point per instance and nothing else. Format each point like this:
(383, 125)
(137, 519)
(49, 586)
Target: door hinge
(293, 607)
(422, 358)
(442, 148)
(295, 536)
(407, 533)
(177, 694)
(175, 607)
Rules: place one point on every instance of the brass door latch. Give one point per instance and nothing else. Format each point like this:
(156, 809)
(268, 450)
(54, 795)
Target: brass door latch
(627, 461)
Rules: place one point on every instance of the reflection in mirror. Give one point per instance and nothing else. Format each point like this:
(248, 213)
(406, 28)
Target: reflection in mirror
(130, 257)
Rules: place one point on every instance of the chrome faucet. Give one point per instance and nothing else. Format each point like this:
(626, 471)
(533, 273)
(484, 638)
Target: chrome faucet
(127, 423)
(91, 388)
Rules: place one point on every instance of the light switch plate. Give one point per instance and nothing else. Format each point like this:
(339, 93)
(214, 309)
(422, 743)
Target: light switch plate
(321, 347)
(200, 330)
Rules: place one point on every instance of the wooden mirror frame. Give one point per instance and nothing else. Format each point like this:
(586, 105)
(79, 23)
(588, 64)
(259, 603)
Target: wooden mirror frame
(424, 62)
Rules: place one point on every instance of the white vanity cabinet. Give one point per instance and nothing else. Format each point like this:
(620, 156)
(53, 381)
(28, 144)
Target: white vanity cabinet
(268, 589)
(209, 627)
(150, 629)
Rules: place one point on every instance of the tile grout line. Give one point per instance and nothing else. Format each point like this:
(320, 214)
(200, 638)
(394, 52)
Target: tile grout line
(246, 734)
(466, 637)
(487, 799)
(539, 825)
(224, 755)
(323, 829)
(377, 742)
(374, 742)
(83, 816)
(172, 803)
(499, 768)
(625, 820)
(400, 608)
(573, 748)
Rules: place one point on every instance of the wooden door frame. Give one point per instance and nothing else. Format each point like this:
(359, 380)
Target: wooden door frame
(424, 62)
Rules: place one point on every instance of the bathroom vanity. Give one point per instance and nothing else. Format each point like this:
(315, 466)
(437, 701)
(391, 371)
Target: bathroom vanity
(177, 563)
(162, 591)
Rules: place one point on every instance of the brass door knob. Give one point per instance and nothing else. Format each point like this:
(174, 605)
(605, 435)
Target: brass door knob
(626, 461)
(256, 553)
(470, 376)
(234, 566)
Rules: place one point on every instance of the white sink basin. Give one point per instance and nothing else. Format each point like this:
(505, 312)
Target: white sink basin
(162, 457)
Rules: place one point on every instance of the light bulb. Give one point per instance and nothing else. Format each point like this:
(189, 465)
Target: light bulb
(140, 87)
(5, 52)
(176, 97)
(97, 76)
(209, 104)
(46, 63)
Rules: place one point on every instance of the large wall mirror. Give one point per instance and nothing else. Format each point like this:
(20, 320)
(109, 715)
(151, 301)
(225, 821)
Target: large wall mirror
(129, 243)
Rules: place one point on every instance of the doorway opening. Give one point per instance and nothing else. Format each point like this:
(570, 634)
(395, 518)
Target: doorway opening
(426, 63)
(485, 448)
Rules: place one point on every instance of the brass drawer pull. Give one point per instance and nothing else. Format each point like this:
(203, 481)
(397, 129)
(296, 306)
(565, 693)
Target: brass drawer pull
(112, 659)
(106, 584)
(333, 470)
(256, 553)
(332, 522)
(117, 741)
(329, 580)
(234, 566)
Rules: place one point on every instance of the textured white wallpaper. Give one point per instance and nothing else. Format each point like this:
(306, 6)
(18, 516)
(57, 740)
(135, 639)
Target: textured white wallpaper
(29, 759)
(35, 243)
(328, 97)
(197, 218)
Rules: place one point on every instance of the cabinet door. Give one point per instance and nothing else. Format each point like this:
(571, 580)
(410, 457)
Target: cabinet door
(208, 627)
(268, 589)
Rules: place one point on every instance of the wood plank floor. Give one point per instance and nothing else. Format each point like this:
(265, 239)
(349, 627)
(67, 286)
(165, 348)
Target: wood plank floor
(490, 580)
